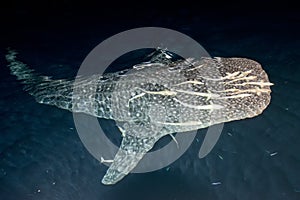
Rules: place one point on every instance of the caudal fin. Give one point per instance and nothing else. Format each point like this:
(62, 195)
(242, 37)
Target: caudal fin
(42, 88)
(23, 73)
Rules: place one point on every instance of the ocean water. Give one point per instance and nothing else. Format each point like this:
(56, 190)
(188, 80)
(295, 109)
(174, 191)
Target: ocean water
(42, 157)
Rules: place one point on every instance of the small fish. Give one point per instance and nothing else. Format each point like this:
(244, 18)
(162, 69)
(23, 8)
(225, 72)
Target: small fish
(220, 157)
(273, 154)
(106, 161)
(216, 183)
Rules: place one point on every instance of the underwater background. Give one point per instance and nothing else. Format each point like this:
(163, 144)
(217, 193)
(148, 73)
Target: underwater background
(42, 157)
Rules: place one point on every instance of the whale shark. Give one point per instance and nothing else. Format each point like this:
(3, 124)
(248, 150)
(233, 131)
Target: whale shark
(155, 98)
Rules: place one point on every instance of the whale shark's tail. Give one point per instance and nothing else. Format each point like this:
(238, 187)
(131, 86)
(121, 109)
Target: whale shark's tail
(42, 88)
(22, 71)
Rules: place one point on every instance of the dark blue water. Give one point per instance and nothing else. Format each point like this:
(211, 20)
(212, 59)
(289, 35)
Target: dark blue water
(42, 157)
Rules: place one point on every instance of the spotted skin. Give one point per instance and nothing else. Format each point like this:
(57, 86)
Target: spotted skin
(156, 98)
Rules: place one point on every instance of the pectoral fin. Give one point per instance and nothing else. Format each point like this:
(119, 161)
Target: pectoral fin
(131, 151)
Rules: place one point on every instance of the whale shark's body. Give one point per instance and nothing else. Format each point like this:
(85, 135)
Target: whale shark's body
(156, 98)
